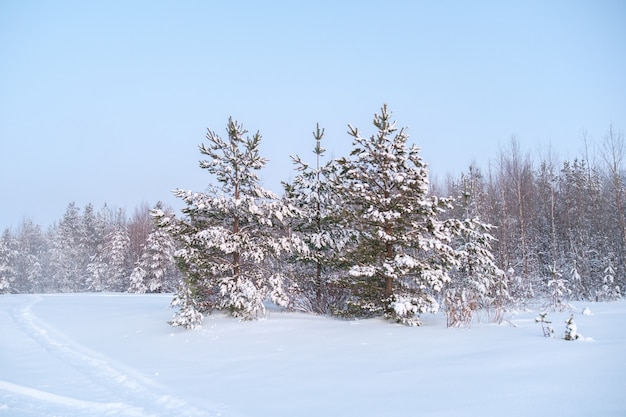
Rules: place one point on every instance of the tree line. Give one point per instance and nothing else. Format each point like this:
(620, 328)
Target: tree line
(559, 225)
(88, 250)
(362, 235)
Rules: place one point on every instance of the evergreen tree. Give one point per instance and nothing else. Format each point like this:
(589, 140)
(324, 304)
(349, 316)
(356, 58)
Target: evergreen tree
(68, 258)
(117, 249)
(609, 289)
(557, 288)
(228, 235)
(477, 282)
(548, 331)
(571, 329)
(155, 269)
(30, 247)
(315, 263)
(99, 226)
(8, 253)
(139, 226)
(110, 267)
(403, 254)
(578, 208)
(94, 227)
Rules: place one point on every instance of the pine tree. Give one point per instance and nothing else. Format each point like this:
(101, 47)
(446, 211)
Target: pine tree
(609, 290)
(98, 226)
(30, 248)
(228, 234)
(477, 282)
(8, 254)
(557, 287)
(117, 249)
(315, 263)
(403, 255)
(571, 329)
(94, 227)
(68, 258)
(548, 331)
(155, 269)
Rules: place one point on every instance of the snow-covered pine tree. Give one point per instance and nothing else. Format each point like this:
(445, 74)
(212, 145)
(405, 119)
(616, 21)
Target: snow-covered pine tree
(94, 225)
(228, 234)
(28, 266)
(609, 290)
(571, 329)
(403, 255)
(557, 287)
(138, 280)
(155, 270)
(548, 331)
(578, 208)
(110, 268)
(477, 283)
(315, 262)
(68, 258)
(117, 250)
(576, 282)
(96, 273)
(98, 228)
(8, 254)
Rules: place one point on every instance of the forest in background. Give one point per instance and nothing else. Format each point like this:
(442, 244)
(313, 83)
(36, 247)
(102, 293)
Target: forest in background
(559, 229)
(555, 219)
(87, 250)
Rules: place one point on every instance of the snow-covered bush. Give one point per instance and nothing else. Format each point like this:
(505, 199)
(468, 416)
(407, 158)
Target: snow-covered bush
(548, 331)
(571, 330)
(188, 314)
(406, 309)
(460, 305)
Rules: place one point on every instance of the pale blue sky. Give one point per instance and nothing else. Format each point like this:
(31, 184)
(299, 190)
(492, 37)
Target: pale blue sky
(107, 101)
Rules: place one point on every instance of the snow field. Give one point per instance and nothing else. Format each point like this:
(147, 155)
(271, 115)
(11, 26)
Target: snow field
(112, 354)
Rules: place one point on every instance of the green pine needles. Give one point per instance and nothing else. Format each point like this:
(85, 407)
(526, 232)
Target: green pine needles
(354, 236)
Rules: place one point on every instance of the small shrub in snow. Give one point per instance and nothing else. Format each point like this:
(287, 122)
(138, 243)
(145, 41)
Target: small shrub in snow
(188, 314)
(548, 331)
(406, 310)
(459, 308)
(571, 330)
(558, 289)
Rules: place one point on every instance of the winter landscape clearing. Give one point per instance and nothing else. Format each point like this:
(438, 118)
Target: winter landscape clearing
(115, 355)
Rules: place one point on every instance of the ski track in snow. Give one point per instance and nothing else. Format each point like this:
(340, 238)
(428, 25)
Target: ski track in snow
(137, 398)
(40, 403)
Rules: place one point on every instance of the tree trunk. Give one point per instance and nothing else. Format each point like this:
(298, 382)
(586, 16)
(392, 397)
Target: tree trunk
(389, 257)
(235, 232)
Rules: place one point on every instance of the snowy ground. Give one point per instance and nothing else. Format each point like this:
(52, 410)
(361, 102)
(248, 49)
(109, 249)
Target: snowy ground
(114, 355)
